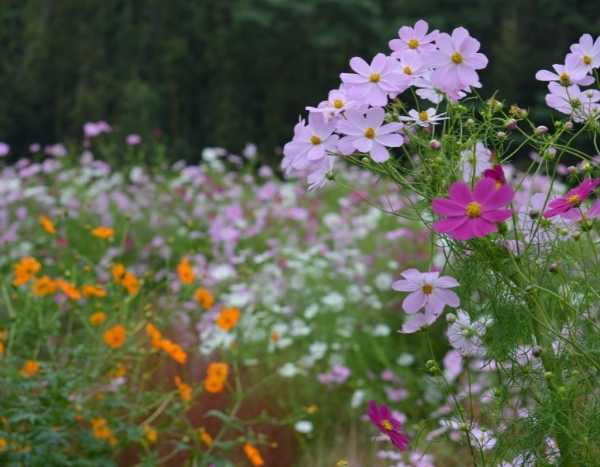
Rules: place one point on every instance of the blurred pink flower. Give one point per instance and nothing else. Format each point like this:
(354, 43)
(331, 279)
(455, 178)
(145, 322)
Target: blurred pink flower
(4, 149)
(562, 205)
(133, 139)
(427, 290)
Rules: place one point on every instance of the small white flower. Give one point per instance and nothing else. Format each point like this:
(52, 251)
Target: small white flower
(289, 370)
(405, 359)
(423, 118)
(303, 426)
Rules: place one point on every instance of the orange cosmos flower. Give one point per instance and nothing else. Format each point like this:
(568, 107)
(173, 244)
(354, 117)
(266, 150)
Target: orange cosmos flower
(154, 334)
(25, 269)
(204, 298)
(44, 286)
(253, 455)
(115, 336)
(150, 434)
(213, 385)
(103, 232)
(228, 318)
(93, 291)
(101, 431)
(185, 391)
(205, 437)
(185, 271)
(97, 318)
(30, 368)
(218, 370)
(47, 225)
(118, 272)
(131, 283)
(68, 289)
(174, 350)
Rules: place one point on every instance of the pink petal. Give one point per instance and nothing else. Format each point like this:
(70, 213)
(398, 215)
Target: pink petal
(414, 302)
(448, 207)
(450, 224)
(501, 197)
(497, 215)
(447, 296)
(379, 153)
(403, 285)
(485, 188)
(360, 66)
(374, 117)
(446, 282)
(379, 62)
(392, 141)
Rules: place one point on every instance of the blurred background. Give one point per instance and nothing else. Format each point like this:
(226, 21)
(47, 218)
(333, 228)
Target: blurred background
(197, 73)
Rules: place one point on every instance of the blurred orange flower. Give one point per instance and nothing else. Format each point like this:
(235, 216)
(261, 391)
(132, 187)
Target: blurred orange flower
(25, 269)
(253, 455)
(228, 318)
(44, 286)
(204, 298)
(103, 232)
(30, 368)
(47, 225)
(97, 318)
(93, 291)
(115, 336)
(185, 272)
(185, 390)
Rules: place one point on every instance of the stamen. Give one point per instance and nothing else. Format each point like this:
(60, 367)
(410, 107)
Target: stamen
(473, 209)
(456, 58)
(370, 133)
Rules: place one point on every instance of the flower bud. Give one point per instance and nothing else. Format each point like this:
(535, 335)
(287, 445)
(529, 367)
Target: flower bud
(553, 268)
(510, 124)
(569, 125)
(435, 144)
(330, 175)
(550, 153)
(432, 367)
(501, 135)
(451, 317)
(540, 130)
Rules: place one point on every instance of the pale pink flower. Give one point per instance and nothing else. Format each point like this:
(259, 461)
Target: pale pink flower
(571, 100)
(415, 38)
(428, 291)
(566, 75)
(337, 102)
(456, 61)
(4, 149)
(475, 161)
(372, 84)
(365, 132)
(587, 52)
(133, 139)
(311, 143)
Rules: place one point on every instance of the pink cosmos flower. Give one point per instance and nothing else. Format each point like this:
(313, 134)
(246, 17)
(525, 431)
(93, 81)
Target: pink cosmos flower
(427, 290)
(571, 100)
(133, 139)
(562, 205)
(587, 52)
(566, 75)
(311, 143)
(415, 39)
(365, 132)
(496, 173)
(382, 417)
(469, 214)
(372, 84)
(456, 61)
(337, 102)
(4, 149)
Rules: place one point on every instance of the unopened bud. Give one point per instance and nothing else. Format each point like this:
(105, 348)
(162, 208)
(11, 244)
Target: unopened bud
(540, 130)
(435, 144)
(510, 124)
(550, 153)
(501, 135)
(569, 125)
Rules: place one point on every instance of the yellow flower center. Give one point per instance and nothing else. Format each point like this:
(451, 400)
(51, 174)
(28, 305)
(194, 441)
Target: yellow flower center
(370, 133)
(587, 59)
(375, 77)
(314, 139)
(338, 103)
(423, 116)
(427, 289)
(473, 209)
(456, 58)
(387, 425)
(574, 199)
(407, 70)
(565, 79)
(413, 43)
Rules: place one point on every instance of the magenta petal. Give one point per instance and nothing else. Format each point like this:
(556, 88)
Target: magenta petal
(464, 232)
(460, 192)
(501, 197)
(447, 207)
(496, 215)
(481, 227)
(484, 190)
(450, 224)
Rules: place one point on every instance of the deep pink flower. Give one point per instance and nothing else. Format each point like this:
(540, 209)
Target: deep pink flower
(387, 424)
(497, 174)
(427, 290)
(372, 84)
(469, 214)
(456, 61)
(415, 39)
(572, 200)
(365, 132)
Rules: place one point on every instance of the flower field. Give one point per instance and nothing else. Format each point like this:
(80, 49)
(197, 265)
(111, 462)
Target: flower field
(430, 300)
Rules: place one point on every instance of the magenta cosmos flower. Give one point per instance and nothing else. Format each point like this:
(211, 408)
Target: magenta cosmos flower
(382, 417)
(415, 38)
(365, 132)
(456, 61)
(427, 290)
(469, 214)
(562, 205)
(371, 84)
